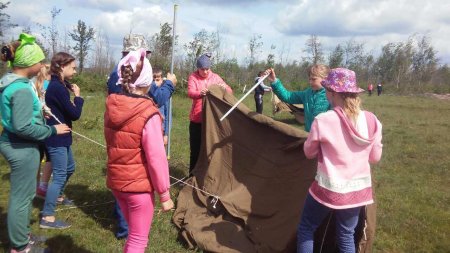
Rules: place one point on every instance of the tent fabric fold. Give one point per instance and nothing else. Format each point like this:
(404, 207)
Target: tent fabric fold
(257, 168)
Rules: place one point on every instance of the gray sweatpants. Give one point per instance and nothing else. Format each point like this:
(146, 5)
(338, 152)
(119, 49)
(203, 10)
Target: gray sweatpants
(23, 158)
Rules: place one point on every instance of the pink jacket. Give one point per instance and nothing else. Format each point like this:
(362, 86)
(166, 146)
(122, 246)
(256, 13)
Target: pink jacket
(195, 84)
(343, 178)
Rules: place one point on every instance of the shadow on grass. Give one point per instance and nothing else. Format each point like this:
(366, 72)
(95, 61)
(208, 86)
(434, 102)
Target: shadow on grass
(4, 240)
(97, 204)
(64, 243)
(5, 176)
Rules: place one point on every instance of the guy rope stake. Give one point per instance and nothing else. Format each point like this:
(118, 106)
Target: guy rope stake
(243, 97)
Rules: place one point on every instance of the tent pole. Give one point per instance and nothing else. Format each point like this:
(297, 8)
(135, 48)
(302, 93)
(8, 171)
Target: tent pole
(243, 97)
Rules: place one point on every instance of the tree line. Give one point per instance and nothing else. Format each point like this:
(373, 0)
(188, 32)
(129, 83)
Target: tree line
(411, 66)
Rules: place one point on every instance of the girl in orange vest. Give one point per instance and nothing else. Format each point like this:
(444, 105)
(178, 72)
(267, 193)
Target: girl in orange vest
(137, 163)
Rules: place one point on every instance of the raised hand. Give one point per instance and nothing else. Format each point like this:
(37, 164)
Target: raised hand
(172, 78)
(272, 76)
(76, 90)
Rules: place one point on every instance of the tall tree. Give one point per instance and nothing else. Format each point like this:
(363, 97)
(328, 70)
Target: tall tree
(53, 30)
(202, 42)
(254, 46)
(271, 56)
(5, 23)
(336, 57)
(424, 60)
(161, 44)
(403, 61)
(314, 50)
(82, 35)
(385, 63)
(102, 58)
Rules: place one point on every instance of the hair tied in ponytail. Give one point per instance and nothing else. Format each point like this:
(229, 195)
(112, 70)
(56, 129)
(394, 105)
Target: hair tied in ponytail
(6, 53)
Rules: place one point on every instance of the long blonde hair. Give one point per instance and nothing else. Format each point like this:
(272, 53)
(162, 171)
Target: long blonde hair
(40, 78)
(351, 105)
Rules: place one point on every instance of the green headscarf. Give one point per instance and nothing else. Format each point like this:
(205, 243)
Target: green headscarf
(28, 53)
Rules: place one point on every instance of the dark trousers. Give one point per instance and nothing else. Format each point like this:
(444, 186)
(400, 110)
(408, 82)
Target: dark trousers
(122, 225)
(259, 103)
(195, 140)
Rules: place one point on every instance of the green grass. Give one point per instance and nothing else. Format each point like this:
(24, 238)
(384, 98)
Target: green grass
(411, 181)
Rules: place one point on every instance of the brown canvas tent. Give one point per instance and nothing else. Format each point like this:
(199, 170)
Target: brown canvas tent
(295, 109)
(254, 178)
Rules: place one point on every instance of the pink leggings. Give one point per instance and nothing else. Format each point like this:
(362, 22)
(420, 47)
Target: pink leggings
(138, 211)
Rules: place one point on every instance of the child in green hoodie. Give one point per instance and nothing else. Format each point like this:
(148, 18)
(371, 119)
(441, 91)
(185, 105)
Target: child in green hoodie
(313, 98)
(23, 129)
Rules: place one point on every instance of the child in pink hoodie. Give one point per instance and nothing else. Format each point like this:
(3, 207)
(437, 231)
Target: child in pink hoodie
(344, 141)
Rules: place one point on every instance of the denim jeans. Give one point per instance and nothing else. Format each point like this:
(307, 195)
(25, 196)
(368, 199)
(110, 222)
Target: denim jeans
(313, 215)
(63, 167)
(122, 225)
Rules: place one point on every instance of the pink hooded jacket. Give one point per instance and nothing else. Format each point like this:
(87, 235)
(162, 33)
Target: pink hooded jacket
(344, 151)
(195, 84)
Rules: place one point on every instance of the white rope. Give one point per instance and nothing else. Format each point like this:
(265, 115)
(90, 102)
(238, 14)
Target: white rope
(73, 207)
(205, 192)
(179, 180)
(87, 138)
(215, 199)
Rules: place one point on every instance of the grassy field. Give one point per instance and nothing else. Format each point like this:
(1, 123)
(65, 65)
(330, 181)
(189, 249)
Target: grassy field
(411, 182)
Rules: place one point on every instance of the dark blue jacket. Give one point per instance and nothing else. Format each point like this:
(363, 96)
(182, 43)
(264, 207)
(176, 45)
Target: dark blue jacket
(161, 96)
(113, 87)
(57, 98)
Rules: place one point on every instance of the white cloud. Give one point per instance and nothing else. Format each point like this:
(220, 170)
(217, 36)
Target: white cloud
(285, 22)
(104, 5)
(373, 22)
(145, 21)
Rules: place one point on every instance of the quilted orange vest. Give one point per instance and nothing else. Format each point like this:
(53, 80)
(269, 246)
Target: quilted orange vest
(125, 118)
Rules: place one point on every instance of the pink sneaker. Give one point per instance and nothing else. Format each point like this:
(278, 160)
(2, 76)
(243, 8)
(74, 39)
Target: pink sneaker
(41, 193)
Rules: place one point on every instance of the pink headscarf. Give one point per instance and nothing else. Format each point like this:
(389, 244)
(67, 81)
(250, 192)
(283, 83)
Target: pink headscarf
(132, 59)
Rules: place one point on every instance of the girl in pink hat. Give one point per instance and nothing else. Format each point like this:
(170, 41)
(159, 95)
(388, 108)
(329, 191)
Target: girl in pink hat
(137, 164)
(345, 141)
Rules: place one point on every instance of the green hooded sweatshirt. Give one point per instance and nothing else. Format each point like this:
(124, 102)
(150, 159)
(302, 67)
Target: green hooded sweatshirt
(21, 111)
(314, 102)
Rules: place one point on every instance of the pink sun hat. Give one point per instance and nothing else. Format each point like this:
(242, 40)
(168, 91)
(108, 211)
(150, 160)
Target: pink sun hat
(341, 80)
